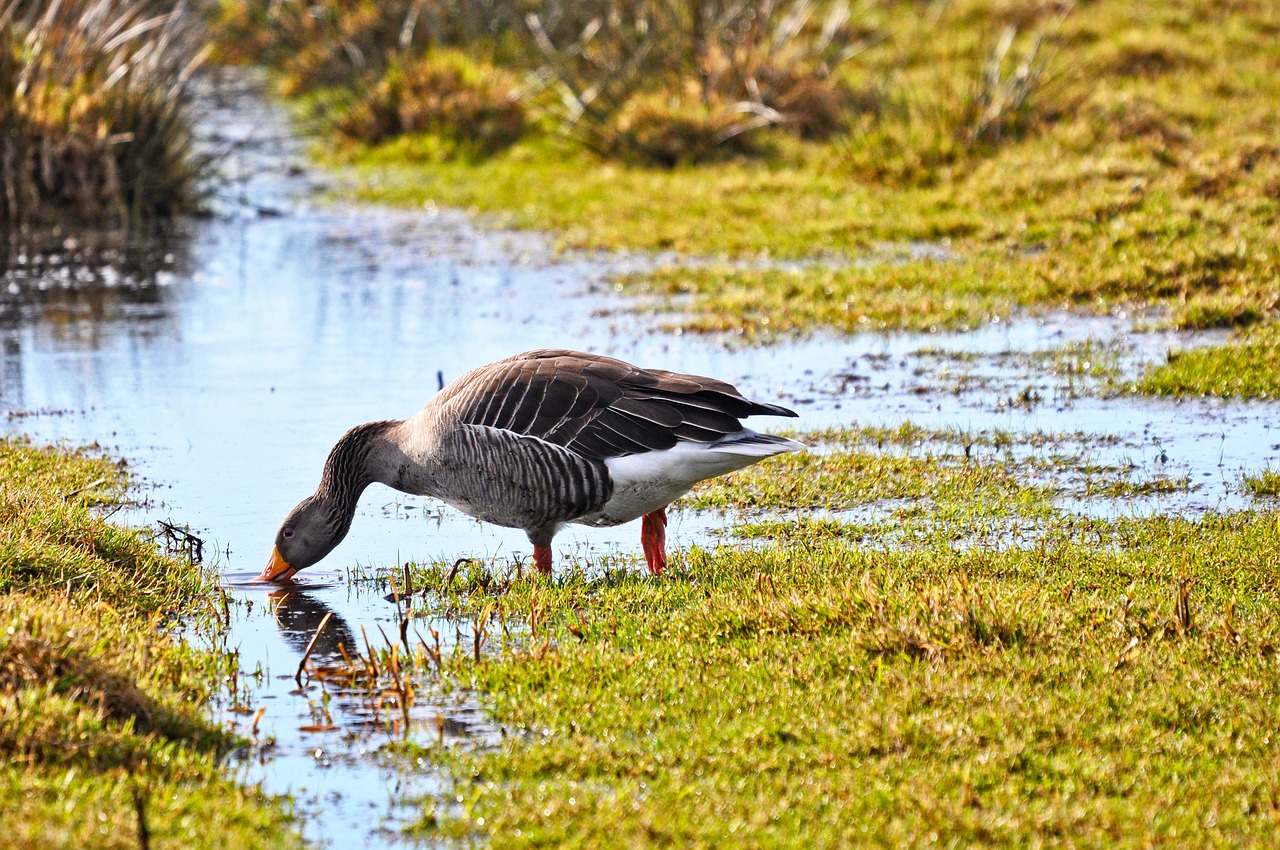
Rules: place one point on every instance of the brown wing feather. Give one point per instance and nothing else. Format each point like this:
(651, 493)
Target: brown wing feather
(600, 407)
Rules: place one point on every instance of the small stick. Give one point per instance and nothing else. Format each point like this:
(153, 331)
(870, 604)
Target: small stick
(453, 571)
(253, 725)
(390, 646)
(140, 806)
(302, 665)
(66, 497)
(372, 663)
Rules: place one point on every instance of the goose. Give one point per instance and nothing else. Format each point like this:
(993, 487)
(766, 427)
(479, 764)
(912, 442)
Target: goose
(536, 441)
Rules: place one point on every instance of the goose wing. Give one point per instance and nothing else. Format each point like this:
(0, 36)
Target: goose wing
(599, 407)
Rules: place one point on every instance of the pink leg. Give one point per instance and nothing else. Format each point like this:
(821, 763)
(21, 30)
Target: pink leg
(542, 559)
(653, 536)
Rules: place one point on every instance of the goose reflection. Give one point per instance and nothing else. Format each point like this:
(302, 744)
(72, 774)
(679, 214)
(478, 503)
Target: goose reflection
(358, 704)
(299, 614)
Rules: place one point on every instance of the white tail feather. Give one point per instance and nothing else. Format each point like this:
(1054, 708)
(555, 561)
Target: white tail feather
(749, 443)
(648, 481)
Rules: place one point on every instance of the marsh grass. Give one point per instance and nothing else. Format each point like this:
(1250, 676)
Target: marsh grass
(652, 82)
(1139, 172)
(95, 112)
(444, 93)
(1003, 102)
(1265, 482)
(1248, 366)
(827, 693)
(333, 43)
(102, 702)
(665, 84)
(986, 95)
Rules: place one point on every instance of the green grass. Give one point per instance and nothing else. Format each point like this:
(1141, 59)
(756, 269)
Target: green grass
(881, 682)
(1246, 367)
(1263, 483)
(103, 706)
(1143, 173)
(977, 475)
(818, 693)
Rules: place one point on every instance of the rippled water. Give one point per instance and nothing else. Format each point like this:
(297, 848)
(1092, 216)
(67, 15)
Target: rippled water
(225, 358)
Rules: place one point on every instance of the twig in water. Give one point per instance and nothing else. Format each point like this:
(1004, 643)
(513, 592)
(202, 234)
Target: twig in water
(372, 662)
(253, 724)
(179, 539)
(482, 629)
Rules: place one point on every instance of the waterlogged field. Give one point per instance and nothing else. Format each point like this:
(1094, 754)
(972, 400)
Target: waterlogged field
(1020, 590)
(1007, 158)
(996, 603)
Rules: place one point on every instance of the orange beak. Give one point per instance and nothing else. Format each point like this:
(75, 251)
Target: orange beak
(277, 568)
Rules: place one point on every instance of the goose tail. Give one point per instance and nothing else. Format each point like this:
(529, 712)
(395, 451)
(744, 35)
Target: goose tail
(748, 443)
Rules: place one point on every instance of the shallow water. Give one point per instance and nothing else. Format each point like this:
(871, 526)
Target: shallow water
(226, 358)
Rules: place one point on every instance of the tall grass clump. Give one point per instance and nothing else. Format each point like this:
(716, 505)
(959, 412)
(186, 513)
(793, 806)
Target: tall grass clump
(672, 82)
(1009, 89)
(1265, 482)
(443, 92)
(658, 81)
(94, 112)
(323, 44)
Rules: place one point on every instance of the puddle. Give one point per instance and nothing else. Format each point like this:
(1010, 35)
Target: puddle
(322, 735)
(225, 357)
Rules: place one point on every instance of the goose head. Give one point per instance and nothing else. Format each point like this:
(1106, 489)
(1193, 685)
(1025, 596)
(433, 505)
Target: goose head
(311, 530)
(308, 533)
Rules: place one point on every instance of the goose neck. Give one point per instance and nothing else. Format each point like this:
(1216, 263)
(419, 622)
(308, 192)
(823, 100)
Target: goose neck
(355, 463)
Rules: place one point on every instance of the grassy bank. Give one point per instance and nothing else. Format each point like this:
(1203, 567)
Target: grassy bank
(1123, 158)
(1082, 683)
(104, 730)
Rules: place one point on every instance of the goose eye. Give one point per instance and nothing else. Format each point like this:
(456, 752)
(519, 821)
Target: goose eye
(288, 532)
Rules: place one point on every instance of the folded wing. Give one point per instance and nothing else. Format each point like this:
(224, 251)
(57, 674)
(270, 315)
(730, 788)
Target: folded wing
(599, 407)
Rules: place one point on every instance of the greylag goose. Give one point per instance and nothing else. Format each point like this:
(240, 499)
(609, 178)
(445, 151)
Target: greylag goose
(536, 441)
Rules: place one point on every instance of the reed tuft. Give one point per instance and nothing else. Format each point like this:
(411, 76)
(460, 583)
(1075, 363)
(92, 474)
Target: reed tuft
(95, 121)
